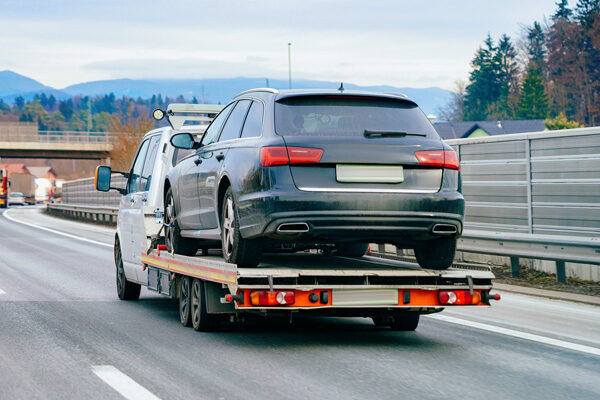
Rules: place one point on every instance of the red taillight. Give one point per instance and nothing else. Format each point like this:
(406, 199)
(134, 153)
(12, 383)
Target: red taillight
(271, 156)
(277, 298)
(459, 297)
(438, 158)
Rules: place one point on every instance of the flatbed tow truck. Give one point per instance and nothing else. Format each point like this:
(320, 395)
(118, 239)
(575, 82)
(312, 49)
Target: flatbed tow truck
(211, 291)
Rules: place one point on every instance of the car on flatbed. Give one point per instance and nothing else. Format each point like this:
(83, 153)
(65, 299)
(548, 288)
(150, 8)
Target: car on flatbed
(316, 169)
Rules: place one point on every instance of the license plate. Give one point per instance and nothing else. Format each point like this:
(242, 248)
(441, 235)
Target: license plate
(366, 297)
(369, 173)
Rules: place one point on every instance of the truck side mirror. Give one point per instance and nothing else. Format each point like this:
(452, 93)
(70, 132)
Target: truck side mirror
(102, 178)
(183, 141)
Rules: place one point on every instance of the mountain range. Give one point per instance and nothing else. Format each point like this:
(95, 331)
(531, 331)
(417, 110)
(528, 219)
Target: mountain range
(217, 90)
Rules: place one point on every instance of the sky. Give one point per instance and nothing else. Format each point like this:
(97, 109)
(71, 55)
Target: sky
(400, 43)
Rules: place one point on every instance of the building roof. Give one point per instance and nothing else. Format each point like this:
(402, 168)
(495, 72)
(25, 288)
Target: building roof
(40, 172)
(462, 129)
(19, 168)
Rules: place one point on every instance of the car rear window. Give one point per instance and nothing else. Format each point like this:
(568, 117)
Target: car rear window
(348, 116)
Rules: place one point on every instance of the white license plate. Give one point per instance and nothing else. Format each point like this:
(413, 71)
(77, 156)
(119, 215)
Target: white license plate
(369, 173)
(364, 297)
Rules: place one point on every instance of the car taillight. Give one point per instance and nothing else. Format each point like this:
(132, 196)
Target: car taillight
(438, 158)
(271, 156)
(277, 298)
(459, 297)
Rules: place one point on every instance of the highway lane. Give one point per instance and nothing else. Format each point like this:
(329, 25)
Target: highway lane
(60, 318)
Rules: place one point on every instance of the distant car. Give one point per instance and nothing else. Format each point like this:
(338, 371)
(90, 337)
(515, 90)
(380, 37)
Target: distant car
(327, 169)
(16, 198)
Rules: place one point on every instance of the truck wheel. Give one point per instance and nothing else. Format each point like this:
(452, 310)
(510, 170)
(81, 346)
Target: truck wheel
(436, 254)
(351, 249)
(201, 320)
(236, 249)
(407, 321)
(185, 315)
(174, 241)
(125, 289)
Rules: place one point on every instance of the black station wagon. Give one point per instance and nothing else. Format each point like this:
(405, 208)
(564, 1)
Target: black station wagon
(333, 170)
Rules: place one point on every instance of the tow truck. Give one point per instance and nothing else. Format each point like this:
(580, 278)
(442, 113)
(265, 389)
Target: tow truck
(211, 292)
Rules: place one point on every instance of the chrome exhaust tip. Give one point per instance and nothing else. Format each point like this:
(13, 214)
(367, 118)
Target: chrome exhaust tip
(444, 229)
(293, 227)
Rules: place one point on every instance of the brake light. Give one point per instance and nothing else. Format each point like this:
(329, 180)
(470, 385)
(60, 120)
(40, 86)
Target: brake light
(271, 156)
(438, 158)
(459, 297)
(277, 298)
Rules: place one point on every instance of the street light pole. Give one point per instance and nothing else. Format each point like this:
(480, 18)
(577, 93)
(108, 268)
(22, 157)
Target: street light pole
(290, 64)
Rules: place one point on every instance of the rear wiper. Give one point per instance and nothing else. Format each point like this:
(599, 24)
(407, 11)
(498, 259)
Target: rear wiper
(369, 133)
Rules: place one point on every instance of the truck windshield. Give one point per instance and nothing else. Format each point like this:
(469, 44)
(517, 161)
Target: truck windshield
(348, 116)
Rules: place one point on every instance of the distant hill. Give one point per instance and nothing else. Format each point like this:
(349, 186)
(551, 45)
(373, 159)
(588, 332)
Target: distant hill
(205, 90)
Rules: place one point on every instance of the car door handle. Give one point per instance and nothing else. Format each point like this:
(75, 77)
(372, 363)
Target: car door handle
(220, 157)
(198, 161)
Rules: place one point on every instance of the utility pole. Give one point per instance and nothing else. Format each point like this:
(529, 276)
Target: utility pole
(290, 64)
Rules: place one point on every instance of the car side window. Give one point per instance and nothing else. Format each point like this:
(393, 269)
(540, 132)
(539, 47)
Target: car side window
(146, 177)
(136, 169)
(254, 121)
(212, 133)
(233, 126)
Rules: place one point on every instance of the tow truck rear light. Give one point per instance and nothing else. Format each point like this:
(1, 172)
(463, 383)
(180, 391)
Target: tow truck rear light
(438, 158)
(277, 298)
(279, 155)
(459, 297)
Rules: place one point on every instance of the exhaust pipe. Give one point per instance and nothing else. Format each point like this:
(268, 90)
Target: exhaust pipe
(293, 227)
(444, 229)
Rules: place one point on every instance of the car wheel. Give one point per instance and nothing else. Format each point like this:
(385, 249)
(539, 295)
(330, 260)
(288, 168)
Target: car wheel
(201, 320)
(436, 254)
(185, 315)
(126, 290)
(173, 240)
(236, 249)
(407, 321)
(351, 249)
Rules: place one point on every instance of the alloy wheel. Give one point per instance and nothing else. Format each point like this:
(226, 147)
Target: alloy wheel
(228, 227)
(169, 221)
(184, 299)
(195, 302)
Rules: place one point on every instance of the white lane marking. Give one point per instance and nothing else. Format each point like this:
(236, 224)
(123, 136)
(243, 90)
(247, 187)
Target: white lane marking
(519, 334)
(55, 231)
(123, 384)
(2, 292)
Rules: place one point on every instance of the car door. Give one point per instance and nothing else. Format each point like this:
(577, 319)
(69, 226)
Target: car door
(127, 212)
(212, 155)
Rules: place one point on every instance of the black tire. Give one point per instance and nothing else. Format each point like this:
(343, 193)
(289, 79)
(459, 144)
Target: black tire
(126, 290)
(407, 321)
(185, 289)
(436, 254)
(351, 249)
(173, 240)
(236, 249)
(201, 320)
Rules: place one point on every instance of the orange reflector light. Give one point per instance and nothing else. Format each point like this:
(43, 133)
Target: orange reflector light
(277, 298)
(459, 297)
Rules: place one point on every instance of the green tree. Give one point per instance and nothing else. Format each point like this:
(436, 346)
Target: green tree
(536, 44)
(562, 10)
(485, 82)
(561, 122)
(533, 101)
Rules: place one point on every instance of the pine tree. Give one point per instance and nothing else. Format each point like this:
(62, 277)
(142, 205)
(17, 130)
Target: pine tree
(533, 101)
(563, 11)
(536, 44)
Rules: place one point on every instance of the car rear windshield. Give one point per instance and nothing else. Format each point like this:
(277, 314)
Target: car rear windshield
(348, 116)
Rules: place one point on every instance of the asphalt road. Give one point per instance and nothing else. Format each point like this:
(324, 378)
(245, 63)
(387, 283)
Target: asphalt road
(65, 335)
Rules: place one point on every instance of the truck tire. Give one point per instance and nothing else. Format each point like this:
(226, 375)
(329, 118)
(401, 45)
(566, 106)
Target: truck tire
(126, 290)
(201, 320)
(407, 321)
(351, 249)
(185, 315)
(173, 240)
(436, 254)
(236, 249)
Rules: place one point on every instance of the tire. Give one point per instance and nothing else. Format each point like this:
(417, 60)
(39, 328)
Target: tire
(236, 249)
(405, 322)
(126, 290)
(436, 254)
(351, 249)
(173, 240)
(185, 315)
(201, 320)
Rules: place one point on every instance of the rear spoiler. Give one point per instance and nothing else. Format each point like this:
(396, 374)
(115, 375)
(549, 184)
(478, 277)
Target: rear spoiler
(178, 113)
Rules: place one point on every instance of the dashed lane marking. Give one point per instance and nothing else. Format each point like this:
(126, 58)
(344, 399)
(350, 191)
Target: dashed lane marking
(123, 384)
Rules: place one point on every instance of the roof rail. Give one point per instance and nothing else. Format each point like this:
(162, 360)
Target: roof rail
(179, 113)
(268, 90)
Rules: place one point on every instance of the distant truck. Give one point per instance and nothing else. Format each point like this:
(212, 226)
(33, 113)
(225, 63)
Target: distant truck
(24, 183)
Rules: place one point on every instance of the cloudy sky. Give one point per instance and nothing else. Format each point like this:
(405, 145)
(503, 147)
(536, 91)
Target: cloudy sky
(401, 43)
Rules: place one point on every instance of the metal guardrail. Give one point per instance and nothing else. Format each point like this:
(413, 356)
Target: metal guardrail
(107, 215)
(74, 137)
